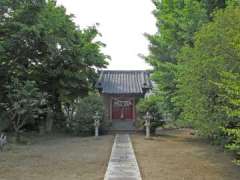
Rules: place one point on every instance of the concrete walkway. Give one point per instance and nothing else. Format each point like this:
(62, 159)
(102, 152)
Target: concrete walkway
(122, 164)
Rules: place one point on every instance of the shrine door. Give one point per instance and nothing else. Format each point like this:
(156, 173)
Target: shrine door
(122, 108)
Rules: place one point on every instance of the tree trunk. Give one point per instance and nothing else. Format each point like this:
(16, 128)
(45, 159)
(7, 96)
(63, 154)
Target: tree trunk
(59, 115)
(42, 129)
(49, 122)
(18, 137)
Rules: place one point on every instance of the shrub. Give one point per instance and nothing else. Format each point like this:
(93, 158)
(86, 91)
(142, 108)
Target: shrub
(152, 105)
(234, 143)
(24, 104)
(82, 123)
(4, 121)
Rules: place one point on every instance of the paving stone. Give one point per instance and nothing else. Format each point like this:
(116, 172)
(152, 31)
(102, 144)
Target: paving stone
(122, 164)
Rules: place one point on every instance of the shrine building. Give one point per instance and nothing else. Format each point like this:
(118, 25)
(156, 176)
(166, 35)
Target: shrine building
(121, 90)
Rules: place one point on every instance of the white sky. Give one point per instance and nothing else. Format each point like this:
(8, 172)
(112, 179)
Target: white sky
(122, 25)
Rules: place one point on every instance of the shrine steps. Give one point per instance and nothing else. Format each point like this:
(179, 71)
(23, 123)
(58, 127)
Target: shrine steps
(124, 131)
(122, 125)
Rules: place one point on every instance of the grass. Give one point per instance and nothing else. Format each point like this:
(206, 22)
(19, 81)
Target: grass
(178, 155)
(57, 158)
(175, 155)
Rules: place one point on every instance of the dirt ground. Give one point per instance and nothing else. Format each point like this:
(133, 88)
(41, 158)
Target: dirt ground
(178, 155)
(60, 158)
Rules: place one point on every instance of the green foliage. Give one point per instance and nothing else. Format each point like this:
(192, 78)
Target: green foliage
(196, 63)
(153, 105)
(40, 42)
(216, 50)
(211, 5)
(24, 104)
(208, 79)
(230, 92)
(177, 21)
(234, 144)
(4, 123)
(83, 122)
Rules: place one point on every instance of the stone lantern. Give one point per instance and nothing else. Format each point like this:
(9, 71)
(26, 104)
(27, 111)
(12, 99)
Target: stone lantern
(147, 119)
(96, 118)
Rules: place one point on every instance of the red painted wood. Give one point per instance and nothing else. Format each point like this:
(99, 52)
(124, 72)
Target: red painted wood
(121, 112)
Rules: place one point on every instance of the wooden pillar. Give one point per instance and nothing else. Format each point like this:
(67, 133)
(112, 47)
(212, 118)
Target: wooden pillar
(134, 109)
(110, 108)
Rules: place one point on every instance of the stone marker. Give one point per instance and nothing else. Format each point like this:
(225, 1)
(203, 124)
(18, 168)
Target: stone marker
(3, 141)
(147, 118)
(96, 123)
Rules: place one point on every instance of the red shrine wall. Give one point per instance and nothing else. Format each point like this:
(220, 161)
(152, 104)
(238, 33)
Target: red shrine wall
(119, 107)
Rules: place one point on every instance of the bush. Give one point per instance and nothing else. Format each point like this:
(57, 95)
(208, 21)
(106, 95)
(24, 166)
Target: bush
(152, 105)
(234, 144)
(4, 121)
(82, 124)
(24, 104)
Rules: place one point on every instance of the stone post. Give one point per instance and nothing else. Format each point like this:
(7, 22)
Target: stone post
(147, 118)
(96, 118)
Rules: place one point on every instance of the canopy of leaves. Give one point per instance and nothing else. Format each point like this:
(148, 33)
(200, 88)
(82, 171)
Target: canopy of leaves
(40, 42)
(196, 60)
(177, 21)
(209, 76)
(216, 50)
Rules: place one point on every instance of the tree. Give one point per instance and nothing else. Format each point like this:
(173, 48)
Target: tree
(196, 60)
(40, 42)
(216, 52)
(177, 21)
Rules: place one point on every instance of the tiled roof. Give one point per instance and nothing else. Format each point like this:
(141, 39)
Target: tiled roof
(124, 82)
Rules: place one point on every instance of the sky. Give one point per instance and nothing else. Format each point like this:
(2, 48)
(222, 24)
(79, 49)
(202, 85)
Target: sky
(122, 24)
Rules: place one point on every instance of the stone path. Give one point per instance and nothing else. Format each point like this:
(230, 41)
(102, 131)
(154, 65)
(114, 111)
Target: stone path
(122, 164)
